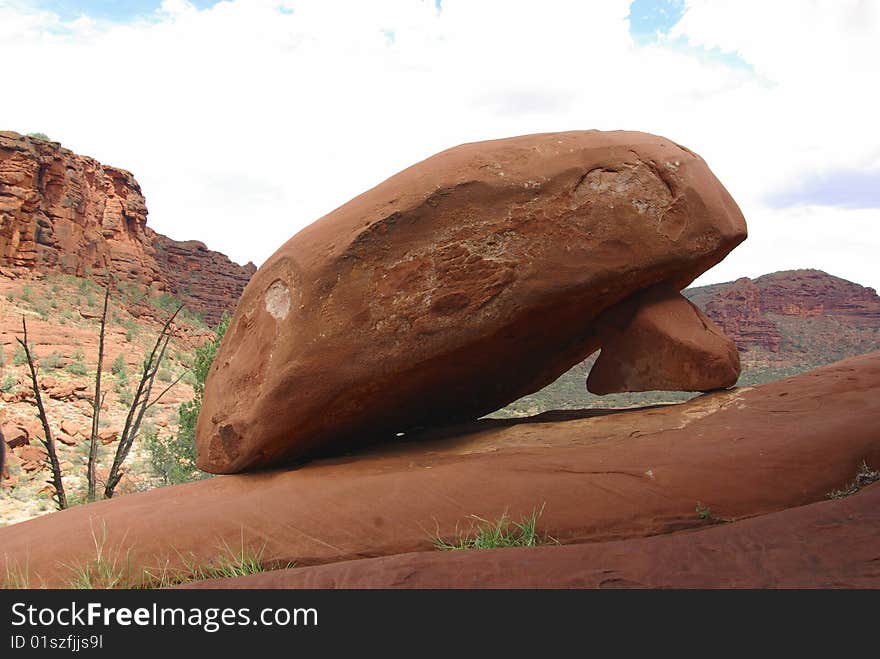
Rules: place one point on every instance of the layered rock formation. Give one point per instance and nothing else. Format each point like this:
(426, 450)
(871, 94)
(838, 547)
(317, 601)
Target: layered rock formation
(455, 287)
(600, 475)
(753, 312)
(62, 212)
(830, 544)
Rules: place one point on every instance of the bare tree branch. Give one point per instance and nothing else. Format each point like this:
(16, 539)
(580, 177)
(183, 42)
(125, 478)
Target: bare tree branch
(138, 406)
(48, 442)
(96, 403)
(166, 390)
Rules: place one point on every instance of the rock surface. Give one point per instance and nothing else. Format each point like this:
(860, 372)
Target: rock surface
(454, 287)
(62, 212)
(658, 340)
(601, 476)
(830, 544)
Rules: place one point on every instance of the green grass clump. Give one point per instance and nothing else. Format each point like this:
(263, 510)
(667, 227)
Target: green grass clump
(114, 569)
(503, 532)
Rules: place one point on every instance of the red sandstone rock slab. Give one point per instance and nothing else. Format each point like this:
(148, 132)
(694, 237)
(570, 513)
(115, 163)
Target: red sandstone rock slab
(601, 476)
(831, 544)
(453, 288)
(658, 340)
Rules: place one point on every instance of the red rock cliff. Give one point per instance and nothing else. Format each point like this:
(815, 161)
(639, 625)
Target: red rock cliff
(62, 212)
(753, 312)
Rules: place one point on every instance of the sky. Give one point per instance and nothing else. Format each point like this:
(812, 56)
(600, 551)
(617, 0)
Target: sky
(246, 120)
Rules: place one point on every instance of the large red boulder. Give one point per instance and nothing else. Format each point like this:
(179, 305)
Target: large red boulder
(453, 288)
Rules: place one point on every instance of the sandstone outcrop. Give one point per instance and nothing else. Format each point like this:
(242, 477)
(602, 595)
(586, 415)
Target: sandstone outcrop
(658, 340)
(830, 544)
(750, 311)
(601, 476)
(454, 287)
(62, 212)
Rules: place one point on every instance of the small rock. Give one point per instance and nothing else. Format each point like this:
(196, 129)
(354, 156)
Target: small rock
(67, 440)
(30, 453)
(108, 435)
(15, 435)
(70, 427)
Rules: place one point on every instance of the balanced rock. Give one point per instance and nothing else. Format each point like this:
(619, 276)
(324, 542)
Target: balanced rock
(659, 340)
(453, 288)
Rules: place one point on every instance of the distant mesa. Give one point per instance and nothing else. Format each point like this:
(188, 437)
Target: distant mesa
(65, 213)
(465, 282)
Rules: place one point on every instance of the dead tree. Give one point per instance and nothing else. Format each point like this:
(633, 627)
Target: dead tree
(96, 404)
(139, 405)
(48, 442)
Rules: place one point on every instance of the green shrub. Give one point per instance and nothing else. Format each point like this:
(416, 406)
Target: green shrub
(19, 358)
(183, 447)
(42, 309)
(119, 366)
(2, 356)
(9, 383)
(26, 292)
(131, 329)
(52, 361)
(164, 375)
(39, 136)
(172, 458)
(123, 393)
(77, 368)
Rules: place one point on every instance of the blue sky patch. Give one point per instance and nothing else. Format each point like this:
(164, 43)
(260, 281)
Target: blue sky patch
(111, 10)
(650, 18)
(650, 22)
(842, 188)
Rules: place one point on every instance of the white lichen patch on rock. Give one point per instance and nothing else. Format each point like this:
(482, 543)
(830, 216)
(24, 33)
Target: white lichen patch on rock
(278, 300)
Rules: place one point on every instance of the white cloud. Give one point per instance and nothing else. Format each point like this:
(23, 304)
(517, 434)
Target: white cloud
(247, 121)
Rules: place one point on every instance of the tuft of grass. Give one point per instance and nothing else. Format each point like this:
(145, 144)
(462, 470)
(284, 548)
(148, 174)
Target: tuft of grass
(113, 568)
(864, 477)
(15, 577)
(703, 512)
(504, 532)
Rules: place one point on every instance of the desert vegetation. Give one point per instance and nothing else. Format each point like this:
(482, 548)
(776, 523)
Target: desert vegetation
(500, 533)
(64, 347)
